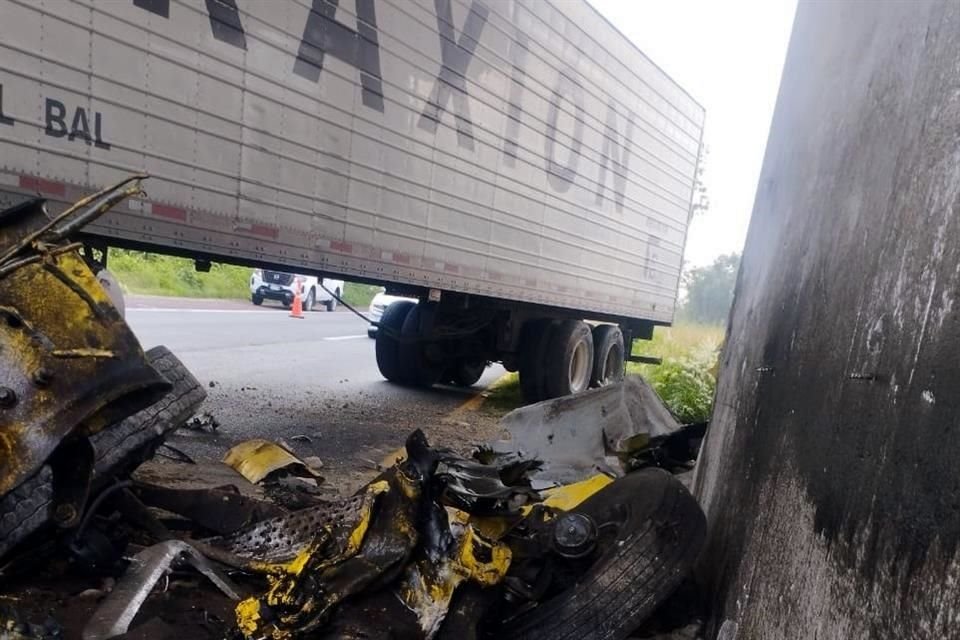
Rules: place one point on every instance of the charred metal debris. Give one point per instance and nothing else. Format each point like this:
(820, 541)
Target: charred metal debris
(567, 530)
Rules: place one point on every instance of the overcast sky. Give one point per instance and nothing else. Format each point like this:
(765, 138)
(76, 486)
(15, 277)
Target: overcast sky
(728, 55)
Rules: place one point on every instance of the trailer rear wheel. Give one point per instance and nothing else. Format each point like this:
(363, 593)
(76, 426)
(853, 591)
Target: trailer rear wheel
(533, 352)
(608, 355)
(387, 345)
(569, 362)
(465, 373)
(417, 367)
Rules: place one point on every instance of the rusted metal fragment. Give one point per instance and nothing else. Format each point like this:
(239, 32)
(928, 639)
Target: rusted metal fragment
(257, 459)
(304, 593)
(55, 380)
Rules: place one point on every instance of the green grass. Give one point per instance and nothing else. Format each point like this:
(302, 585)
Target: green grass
(360, 295)
(145, 273)
(154, 274)
(504, 395)
(686, 380)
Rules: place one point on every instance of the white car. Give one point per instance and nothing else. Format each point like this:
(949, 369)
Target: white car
(378, 305)
(277, 285)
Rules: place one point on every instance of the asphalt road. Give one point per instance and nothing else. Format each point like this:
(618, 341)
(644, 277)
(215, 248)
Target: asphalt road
(271, 376)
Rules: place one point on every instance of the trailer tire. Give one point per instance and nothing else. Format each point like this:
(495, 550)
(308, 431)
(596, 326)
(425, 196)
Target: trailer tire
(415, 365)
(534, 339)
(660, 531)
(569, 361)
(465, 373)
(387, 346)
(119, 449)
(608, 355)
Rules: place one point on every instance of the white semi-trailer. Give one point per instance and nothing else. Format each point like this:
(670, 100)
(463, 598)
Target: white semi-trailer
(517, 166)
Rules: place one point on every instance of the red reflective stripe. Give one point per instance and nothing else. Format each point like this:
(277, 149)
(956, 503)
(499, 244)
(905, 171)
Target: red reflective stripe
(264, 230)
(401, 258)
(43, 186)
(452, 268)
(341, 247)
(166, 211)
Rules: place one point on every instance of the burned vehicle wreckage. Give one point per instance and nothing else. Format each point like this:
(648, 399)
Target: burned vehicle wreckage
(575, 533)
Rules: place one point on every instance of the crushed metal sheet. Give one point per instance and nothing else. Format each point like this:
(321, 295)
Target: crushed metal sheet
(257, 459)
(280, 540)
(580, 435)
(113, 617)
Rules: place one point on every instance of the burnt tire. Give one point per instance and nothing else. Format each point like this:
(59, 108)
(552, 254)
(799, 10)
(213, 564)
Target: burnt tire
(569, 359)
(660, 531)
(533, 352)
(608, 355)
(119, 449)
(416, 368)
(387, 346)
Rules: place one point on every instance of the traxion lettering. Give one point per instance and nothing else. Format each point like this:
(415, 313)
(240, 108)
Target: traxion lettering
(323, 35)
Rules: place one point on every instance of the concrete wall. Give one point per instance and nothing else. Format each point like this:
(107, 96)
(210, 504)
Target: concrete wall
(831, 474)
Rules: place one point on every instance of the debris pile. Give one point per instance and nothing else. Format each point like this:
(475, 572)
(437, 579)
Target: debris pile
(437, 545)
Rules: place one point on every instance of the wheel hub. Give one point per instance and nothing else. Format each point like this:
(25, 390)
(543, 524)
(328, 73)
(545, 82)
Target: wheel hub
(574, 535)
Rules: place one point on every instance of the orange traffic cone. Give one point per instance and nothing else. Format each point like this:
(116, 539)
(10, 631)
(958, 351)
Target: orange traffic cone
(297, 310)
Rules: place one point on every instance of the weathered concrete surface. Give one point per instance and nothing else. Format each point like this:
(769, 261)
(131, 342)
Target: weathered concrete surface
(831, 475)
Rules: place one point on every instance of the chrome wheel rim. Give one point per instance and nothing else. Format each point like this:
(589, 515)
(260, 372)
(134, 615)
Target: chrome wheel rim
(580, 365)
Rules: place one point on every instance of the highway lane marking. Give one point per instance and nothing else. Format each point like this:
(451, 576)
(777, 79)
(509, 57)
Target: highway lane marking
(362, 335)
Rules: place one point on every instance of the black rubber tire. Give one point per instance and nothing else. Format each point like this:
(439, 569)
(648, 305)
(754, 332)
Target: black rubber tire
(416, 367)
(310, 300)
(534, 339)
(607, 339)
(559, 353)
(257, 300)
(465, 373)
(119, 449)
(387, 346)
(372, 333)
(661, 531)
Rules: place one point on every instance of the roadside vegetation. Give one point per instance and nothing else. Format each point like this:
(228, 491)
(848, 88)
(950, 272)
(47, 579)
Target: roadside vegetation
(686, 379)
(140, 272)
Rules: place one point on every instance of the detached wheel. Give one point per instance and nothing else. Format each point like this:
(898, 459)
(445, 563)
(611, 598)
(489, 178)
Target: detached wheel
(534, 340)
(387, 346)
(416, 365)
(608, 355)
(569, 361)
(256, 299)
(120, 448)
(650, 532)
